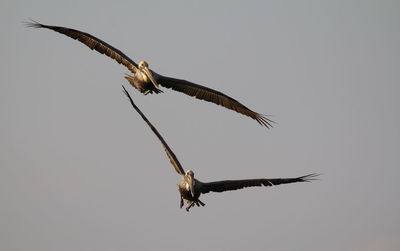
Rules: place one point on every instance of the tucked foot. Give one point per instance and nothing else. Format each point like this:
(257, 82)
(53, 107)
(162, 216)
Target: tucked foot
(190, 205)
(201, 203)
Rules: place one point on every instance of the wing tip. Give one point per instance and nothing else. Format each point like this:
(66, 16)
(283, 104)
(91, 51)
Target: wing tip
(309, 177)
(263, 120)
(125, 91)
(33, 24)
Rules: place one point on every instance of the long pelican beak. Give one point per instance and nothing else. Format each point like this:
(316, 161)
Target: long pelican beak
(150, 76)
(191, 184)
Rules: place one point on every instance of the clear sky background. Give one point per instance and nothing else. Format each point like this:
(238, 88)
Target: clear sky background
(80, 170)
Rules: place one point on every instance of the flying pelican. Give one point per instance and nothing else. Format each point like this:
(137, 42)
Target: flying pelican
(191, 188)
(148, 81)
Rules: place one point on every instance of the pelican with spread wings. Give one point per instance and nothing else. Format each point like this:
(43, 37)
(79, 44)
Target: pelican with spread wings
(147, 81)
(191, 188)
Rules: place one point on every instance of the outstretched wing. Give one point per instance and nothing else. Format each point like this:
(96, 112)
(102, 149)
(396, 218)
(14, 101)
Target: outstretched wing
(174, 160)
(92, 42)
(210, 95)
(228, 185)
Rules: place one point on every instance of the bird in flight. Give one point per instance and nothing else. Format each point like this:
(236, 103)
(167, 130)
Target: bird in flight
(147, 81)
(190, 188)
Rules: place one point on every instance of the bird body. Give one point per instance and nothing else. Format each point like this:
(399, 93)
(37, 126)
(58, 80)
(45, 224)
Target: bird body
(189, 189)
(142, 82)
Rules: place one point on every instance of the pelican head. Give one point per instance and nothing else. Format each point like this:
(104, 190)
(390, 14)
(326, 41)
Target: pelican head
(144, 68)
(189, 173)
(143, 64)
(190, 180)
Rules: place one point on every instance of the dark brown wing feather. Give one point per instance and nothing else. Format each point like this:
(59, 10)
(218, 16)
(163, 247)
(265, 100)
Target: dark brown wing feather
(210, 95)
(228, 185)
(92, 42)
(173, 159)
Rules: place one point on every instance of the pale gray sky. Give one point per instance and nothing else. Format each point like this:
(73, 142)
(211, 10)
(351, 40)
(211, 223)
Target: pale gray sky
(80, 170)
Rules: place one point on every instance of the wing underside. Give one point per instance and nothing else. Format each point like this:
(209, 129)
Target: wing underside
(173, 159)
(229, 185)
(92, 42)
(210, 95)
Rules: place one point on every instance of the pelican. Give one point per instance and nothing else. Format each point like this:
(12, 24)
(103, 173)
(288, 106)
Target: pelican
(147, 81)
(190, 188)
